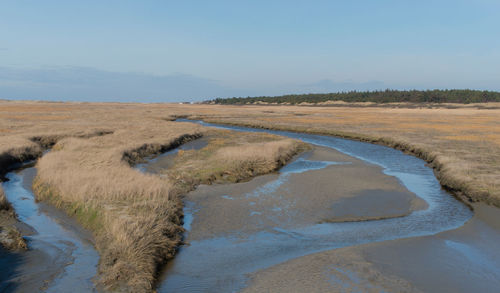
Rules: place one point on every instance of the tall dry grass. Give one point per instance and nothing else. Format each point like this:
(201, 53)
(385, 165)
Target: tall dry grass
(135, 216)
(15, 149)
(231, 157)
(261, 157)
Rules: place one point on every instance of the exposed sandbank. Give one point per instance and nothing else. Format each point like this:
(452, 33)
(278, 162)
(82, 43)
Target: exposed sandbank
(462, 260)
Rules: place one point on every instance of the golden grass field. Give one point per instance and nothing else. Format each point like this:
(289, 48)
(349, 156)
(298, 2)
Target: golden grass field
(136, 217)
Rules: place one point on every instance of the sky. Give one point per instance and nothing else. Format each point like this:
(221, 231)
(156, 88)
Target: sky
(169, 51)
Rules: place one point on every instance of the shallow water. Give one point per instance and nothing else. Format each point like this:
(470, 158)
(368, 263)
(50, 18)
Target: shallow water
(66, 260)
(222, 264)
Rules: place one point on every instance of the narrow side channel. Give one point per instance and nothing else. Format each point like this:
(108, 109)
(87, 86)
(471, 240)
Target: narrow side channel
(60, 257)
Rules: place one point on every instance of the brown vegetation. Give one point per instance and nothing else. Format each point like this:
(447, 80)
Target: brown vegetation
(231, 157)
(135, 217)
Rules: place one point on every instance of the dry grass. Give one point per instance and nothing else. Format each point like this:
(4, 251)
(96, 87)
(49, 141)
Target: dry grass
(232, 157)
(136, 218)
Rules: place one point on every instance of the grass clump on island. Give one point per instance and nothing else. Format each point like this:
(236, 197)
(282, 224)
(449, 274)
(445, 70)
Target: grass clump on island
(232, 157)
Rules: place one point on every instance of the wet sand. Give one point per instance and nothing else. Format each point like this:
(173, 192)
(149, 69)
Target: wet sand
(237, 229)
(466, 259)
(347, 189)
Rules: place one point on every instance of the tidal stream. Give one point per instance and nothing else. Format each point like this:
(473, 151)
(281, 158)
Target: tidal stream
(222, 264)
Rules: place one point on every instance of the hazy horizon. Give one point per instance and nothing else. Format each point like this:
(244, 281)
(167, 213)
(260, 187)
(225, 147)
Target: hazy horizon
(152, 51)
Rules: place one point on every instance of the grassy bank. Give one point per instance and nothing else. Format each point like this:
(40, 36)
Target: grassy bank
(231, 157)
(14, 151)
(459, 185)
(454, 168)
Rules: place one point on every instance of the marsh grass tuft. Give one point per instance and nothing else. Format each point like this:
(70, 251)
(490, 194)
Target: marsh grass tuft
(231, 157)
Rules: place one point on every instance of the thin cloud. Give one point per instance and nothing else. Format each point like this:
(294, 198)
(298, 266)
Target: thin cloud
(91, 84)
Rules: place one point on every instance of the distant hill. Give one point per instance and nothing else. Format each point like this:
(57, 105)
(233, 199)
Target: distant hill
(387, 96)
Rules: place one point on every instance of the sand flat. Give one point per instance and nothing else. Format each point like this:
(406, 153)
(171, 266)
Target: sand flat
(298, 199)
(466, 259)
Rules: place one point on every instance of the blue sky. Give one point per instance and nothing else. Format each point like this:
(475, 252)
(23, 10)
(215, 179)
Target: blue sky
(193, 50)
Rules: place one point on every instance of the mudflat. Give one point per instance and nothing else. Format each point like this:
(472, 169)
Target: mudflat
(322, 185)
(466, 259)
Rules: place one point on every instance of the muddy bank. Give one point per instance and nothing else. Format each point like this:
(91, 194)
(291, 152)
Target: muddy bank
(60, 255)
(462, 260)
(11, 231)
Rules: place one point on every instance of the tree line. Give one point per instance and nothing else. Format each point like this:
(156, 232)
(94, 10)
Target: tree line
(387, 96)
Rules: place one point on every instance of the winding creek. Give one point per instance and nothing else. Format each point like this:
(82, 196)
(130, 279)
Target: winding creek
(221, 264)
